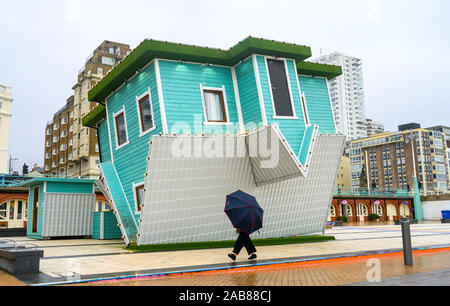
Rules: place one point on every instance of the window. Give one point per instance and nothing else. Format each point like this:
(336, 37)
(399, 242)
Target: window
(305, 110)
(121, 129)
(107, 61)
(145, 112)
(138, 196)
(100, 71)
(214, 105)
(3, 211)
(280, 88)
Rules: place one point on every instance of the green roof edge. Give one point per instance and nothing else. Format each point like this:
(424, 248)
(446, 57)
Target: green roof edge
(321, 70)
(94, 116)
(151, 49)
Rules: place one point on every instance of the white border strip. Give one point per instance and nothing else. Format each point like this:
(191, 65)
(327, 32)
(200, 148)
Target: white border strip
(162, 108)
(260, 94)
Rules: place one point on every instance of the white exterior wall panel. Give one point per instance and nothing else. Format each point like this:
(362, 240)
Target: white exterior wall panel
(184, 198)
(68, 215)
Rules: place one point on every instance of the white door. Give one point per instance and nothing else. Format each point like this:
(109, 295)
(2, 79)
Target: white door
(391, 212)
(362, 211)
(404, 210)
(16, 214)
(332, 213)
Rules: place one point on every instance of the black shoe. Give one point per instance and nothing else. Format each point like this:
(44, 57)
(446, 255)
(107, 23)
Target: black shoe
(232, 256)
(253, 257)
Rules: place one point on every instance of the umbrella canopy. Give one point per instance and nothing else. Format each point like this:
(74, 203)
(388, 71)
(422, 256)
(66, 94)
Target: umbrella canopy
(244, 212)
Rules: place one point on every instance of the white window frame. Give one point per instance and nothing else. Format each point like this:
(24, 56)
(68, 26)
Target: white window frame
(122, 111)
(225, 103)
(294, 113)
(136, 185)
(304, 109)
(149, 94)
(106, 60)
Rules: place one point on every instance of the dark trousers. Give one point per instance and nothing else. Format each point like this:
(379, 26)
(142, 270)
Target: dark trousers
(244, 241)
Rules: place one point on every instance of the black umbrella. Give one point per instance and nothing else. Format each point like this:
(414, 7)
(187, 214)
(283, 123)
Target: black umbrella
(244, 212)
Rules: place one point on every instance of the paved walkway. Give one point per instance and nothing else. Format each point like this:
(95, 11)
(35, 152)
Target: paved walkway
(372, 270)
(69, 261)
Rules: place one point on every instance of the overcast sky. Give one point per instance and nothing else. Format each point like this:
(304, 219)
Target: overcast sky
(405, 46)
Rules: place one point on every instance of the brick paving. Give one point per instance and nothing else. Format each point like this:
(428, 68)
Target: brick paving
(431, 267)
(70, 261)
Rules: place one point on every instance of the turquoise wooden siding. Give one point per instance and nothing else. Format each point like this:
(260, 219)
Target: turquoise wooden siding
(104, 145)
(318, 103)
(130, 161)
(96, 223)
(37, 235)
(183, 96)
(124, 208)
(307, 138)
(54, 187)
(110, 228)
(292, 129)
(248, 94)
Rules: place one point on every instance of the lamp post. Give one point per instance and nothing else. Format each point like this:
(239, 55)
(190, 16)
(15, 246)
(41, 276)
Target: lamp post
(417, 202)
(10, 164)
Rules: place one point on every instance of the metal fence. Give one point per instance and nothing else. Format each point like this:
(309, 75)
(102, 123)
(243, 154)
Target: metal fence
(376, 192)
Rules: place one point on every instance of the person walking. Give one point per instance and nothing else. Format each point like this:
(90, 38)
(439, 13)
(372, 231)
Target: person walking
(243, 241)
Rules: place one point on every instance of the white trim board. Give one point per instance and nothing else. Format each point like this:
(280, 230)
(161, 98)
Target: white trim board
(162, 108)
(260, 94)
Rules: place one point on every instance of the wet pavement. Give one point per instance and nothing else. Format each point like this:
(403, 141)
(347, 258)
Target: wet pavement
(78, 261)
(376, 270)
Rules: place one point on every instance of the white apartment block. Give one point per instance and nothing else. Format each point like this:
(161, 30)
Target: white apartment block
(347, 95)
(5, 117)
(374, 127)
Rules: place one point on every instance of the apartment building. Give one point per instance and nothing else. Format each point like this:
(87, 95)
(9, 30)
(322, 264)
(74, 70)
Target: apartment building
(347, 95)
(59, 141)
(5, 117)
(72, 149)
(374, 127)
(390, 161)
(344, 179)
(446, 131)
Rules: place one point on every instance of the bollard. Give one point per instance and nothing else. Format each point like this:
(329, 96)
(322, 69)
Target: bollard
(407, 247)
